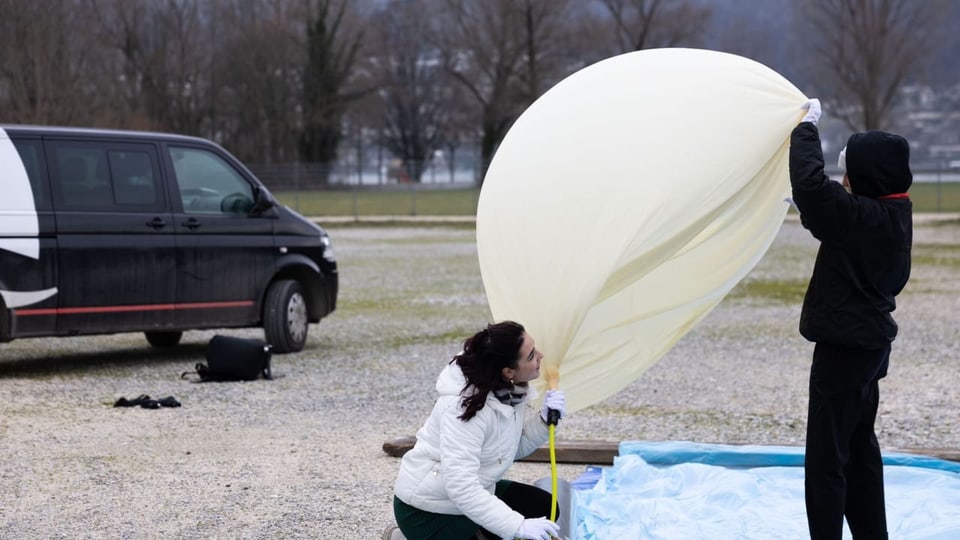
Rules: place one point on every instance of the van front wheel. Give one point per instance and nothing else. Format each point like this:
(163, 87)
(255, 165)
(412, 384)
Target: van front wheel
(163, 339)
(285, 318)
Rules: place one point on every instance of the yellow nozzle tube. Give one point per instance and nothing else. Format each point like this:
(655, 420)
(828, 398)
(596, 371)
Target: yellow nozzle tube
(552, 377)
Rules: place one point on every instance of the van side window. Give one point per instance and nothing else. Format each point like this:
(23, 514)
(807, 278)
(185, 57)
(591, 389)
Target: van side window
(133, 182)
(82, 177)
(30, 156)
(95, 177)
(208, 184)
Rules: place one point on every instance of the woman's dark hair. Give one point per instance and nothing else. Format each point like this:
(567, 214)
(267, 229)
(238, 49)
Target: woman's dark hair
(484, 356)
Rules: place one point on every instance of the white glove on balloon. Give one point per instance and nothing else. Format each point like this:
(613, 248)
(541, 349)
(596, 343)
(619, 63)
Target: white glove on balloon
(813, 111)
(538, 529)
(554, 399)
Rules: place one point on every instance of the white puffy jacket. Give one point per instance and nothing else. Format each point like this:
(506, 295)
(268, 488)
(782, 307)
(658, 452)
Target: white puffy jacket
(454, 466)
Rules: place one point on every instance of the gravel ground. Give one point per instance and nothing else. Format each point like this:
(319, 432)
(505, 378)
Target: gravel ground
(300, 456)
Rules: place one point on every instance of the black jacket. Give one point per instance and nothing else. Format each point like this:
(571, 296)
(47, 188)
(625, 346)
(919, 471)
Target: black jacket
(865, 237)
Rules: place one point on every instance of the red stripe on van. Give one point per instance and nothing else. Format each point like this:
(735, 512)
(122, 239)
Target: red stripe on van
(122, 309)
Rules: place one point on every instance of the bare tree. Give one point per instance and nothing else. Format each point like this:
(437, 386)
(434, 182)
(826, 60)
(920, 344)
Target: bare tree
(646, 24)
(764, 35)
(414, 88)
(499, 51)
(547, 29)
(47, 54)
(166, 51)
(865, 50)
(332, 47)
(458, 126)
(255, 103)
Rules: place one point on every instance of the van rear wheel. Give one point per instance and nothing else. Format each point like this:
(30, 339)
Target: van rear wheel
(285, 317)
(163, 339)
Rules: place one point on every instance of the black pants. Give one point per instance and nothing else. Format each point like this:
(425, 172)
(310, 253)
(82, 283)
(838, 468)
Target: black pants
(843, 466)
(530, 501)
(416, 524)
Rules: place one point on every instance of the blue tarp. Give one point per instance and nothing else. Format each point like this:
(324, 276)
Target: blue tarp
(682, 490)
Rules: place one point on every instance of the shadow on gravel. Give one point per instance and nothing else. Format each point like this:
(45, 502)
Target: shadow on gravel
(67, 363)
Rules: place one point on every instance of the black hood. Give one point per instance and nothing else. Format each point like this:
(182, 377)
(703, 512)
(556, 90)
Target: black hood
(878, 164)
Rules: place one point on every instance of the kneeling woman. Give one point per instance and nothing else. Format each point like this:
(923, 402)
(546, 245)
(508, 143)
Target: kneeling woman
(449, 486)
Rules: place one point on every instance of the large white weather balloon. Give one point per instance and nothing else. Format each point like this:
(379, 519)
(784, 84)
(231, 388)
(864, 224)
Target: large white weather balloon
(626, 202)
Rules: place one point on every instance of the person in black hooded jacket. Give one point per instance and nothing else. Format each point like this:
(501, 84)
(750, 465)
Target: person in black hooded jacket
(863, 262)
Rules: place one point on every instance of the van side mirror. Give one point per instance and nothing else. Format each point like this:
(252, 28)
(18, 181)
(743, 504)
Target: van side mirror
(262, 201)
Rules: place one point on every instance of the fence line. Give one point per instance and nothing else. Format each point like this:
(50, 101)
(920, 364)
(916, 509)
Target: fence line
(317, 190)
(318, 176)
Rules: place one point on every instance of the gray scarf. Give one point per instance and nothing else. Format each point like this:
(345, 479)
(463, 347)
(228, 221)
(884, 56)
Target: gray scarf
(512, 396)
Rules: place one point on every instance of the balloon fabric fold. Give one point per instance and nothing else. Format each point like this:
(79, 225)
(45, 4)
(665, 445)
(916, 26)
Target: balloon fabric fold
(627, 201)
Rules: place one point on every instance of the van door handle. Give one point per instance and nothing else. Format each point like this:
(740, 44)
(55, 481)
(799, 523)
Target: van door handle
(192, 224)
(157, 223)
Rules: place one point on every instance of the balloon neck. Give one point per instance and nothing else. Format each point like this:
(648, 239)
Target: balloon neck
(552, 377)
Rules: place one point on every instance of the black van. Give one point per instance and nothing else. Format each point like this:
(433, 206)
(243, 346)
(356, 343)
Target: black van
(105, 231)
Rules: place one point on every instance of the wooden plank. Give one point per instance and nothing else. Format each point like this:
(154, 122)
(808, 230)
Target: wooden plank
(940, 453)
(399, 447)
(591, 452)
(586, 452)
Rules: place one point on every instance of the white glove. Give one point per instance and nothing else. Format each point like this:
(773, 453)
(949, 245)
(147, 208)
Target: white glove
(538, 529)
(554, 399)
(813, 111)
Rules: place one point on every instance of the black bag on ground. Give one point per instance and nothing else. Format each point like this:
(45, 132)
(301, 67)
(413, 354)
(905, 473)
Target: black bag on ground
(235, 359)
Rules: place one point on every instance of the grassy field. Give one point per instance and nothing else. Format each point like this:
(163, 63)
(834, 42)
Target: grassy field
(933, 197)
(927, 197)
